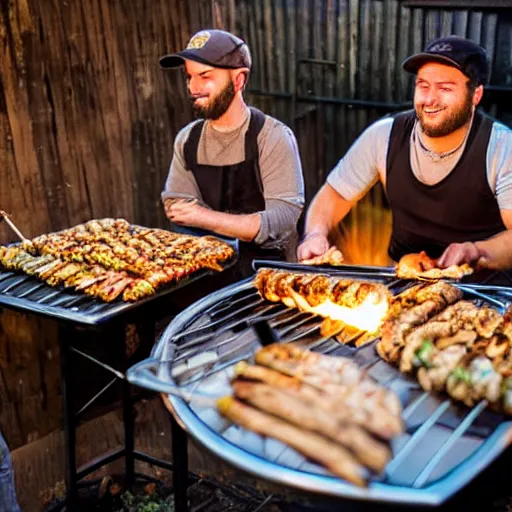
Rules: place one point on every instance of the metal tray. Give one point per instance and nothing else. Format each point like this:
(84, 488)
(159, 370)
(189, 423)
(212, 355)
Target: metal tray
(444, 447)
(28, 294)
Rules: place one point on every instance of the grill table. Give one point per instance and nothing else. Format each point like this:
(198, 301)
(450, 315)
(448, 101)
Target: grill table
(80, 317)
(445, 445)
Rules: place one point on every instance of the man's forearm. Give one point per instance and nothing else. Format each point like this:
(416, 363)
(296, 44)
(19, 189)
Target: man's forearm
(496, 252)
(327, 209)
(242, 226)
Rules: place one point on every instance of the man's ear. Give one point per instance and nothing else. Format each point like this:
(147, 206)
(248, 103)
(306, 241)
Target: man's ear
(241, 80)
(477, 95)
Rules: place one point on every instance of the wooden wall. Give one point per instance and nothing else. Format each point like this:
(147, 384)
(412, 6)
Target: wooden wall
(87, 119)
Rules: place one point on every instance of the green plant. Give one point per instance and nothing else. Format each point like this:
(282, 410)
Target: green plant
(146, 503)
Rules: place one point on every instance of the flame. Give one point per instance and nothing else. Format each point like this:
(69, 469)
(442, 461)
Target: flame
(368, 316)
(363, 236)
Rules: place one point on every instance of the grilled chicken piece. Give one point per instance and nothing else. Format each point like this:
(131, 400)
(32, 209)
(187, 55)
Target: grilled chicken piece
(487, 321)
(328, 453)
(266, 375)
(332, 257)
(22, 258)
(109, 224)
(110, 291)
(314, 288)
(498, 347)
(320, 371)
(432, 329)
(28, 246)
(49, 269)
(411, 266)
(424, 302)
(9, 256)
(359, 291)
(310, 367)
(290, 406)
(158, 278)
(474, 379)
(64, 273)
(263, 281)
(421, 266)
(437, 367)
(30, 267)
(94, 226)
(110, 279)
(138, 289)
(460, 315)
(376, 410)
(463, 337)
(87, 280)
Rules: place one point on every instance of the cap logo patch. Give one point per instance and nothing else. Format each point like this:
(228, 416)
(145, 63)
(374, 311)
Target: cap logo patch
(198, 41)
(441, 48)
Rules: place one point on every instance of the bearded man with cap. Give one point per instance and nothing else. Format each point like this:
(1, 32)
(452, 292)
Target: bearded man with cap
(446, 167)
(235, 171)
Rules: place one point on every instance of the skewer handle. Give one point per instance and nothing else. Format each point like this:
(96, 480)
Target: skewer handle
(12, 226)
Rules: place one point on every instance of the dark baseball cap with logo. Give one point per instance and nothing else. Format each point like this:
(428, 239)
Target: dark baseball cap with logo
(463, 54)
(216, 48)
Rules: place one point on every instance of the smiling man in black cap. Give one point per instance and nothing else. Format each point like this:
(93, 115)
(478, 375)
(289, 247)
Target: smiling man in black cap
(446, 167)
(236, 171)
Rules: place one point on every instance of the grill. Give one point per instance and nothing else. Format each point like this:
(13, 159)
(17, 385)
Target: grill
(81, 317)
(445, 444)
(28, 294)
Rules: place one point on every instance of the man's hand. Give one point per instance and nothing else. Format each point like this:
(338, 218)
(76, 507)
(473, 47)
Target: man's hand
(457, 254)
(314, 244)
(185, 212)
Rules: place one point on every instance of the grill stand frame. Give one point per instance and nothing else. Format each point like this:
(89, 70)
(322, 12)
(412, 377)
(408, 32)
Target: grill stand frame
(116, 332)
(145, 320)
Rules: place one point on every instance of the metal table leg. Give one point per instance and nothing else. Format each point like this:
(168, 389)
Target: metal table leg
(180, 463)
(69, 424)
(127, 404)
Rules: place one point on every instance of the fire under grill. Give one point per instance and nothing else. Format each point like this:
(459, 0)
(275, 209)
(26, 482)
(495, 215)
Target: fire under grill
(444, 446)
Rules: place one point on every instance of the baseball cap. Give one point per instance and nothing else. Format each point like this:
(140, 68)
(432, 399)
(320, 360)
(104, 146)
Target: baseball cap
(216, 48)
(461, 53)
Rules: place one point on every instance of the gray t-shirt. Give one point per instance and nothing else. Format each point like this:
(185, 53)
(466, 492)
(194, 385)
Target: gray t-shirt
(281, 173)
(365, 162)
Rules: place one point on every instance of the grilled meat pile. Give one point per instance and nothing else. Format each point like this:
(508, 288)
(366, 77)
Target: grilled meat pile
(451, 345)
(308, 291)
(324, 407)
(109, 258)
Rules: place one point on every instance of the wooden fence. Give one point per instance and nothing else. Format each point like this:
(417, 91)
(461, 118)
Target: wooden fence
(87, 119)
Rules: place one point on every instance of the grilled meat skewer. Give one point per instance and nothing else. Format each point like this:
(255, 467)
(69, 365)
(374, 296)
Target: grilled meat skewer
(289, 406)
(336, 458)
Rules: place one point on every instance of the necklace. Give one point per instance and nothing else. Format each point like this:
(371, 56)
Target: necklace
(436, 157)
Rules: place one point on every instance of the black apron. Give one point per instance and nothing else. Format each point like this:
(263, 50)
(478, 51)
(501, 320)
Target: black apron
(234, 188)
(460, 208)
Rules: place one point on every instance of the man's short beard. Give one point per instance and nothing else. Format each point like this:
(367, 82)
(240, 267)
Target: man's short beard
(455, 121)
(219, 105)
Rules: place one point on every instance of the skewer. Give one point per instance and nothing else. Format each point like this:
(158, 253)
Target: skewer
(12, 226)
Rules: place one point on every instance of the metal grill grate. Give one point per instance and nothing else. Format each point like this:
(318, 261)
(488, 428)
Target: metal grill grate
(444, 446)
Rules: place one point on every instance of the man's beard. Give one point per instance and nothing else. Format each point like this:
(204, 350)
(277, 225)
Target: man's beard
(454, 121)
(218, 106)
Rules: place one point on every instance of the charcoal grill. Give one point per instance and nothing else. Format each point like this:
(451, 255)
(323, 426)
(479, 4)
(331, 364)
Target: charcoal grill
(445, 444)
(76, 312)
